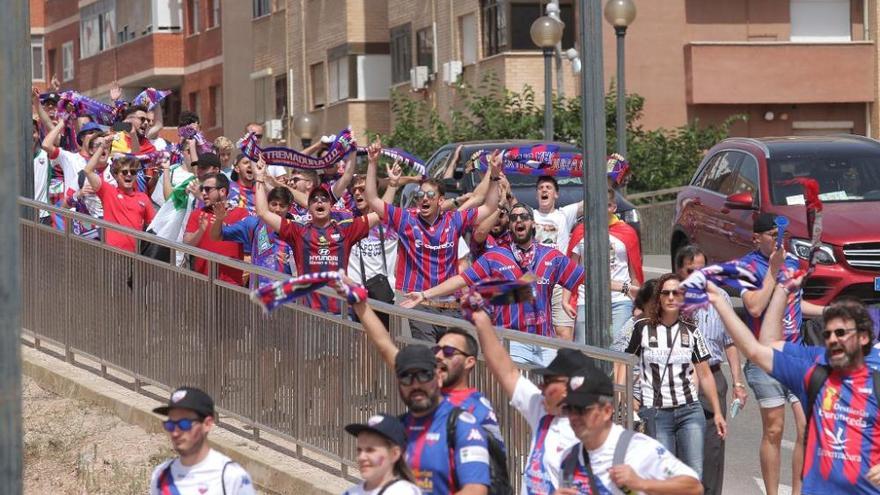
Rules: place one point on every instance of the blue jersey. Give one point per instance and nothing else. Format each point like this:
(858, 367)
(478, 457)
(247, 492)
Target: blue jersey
(843, 440)
(758, 264)
(816, 354)
(265, 248)
(242, 196)
(472, 401)
(438, 470)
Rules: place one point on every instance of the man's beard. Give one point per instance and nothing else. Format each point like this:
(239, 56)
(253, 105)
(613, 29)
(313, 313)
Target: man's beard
(844, 360)
(453, 375)
(420, 406)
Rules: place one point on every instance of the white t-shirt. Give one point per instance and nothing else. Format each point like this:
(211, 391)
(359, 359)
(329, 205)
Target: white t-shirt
(71, 165)
(543, 466)
(399, 487)
(204, 477)
(554, 228)
(159, 143)
(644, 454)
(618, 263)
(41, 180)
(373, 256)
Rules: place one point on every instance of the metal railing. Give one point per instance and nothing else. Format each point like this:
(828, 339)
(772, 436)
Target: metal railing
(296, 373)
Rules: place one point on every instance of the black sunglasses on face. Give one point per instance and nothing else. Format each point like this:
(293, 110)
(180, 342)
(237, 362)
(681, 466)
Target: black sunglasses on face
(258, 136)
(127, 171)
(208, 188)
(448, 351)
(516, 217)
(672, 293)
(319, 199)
(422, 376)
(838, 332)
(429, 194)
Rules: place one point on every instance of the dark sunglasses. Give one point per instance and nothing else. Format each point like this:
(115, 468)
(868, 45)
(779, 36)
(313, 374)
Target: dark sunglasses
(184, 424)
(516, 217)
(319, 199)
(422, 194)
(127, 171)
(838, 332)
(358, 189)
(258, 136)
(448, 351)
(672, 293)
(577, 410)
(422, 376)
(208, 188)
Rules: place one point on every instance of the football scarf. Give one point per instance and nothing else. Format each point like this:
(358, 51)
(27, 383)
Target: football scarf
(728, 274)
(270, 296)
(286, 157)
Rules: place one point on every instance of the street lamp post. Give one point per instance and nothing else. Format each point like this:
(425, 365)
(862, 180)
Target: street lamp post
(306, 127)
(546, 34)
(620, 14)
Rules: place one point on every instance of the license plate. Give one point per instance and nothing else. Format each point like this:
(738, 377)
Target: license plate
(876, 284)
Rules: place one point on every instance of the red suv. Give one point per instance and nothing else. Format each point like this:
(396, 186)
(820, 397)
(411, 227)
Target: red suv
(740, 177)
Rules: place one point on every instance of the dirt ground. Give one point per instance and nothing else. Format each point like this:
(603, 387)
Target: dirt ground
(74, 448)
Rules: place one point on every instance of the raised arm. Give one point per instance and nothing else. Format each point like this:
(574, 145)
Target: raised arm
(158, 122)
(261, 203)
(51, 138)
(448, 287)
(91, 176)
(394, 175)
(39, 110)
(450, 165)
(756, 301)
(481, 233)
(500, 365)
(492, 196)
(216, 229)
(371, 189)
(341, 185)
(376, 332)
(758, 353)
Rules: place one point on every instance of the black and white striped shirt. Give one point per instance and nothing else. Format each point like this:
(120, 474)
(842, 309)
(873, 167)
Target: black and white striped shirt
(668, 355)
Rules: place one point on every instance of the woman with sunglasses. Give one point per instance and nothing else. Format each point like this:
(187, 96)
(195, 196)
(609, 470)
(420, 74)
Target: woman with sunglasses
(671, 349)
(381, 445)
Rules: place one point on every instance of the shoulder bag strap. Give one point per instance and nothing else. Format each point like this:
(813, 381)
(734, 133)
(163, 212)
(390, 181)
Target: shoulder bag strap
(223, 476)
(875, 375)
(588, 466)
(817, 379)
(451, 421)
(385, 487)
(361, 259)
(382, 248)
(620, 454)
(668, 358)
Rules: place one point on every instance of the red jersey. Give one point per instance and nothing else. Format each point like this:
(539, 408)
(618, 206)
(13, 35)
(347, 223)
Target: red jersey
(129, 209)
(230, 249)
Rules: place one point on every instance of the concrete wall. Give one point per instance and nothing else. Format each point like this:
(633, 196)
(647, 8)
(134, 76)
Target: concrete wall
(238, 94)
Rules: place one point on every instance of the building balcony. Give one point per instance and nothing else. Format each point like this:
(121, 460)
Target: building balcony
(779, 72)
(156, 59)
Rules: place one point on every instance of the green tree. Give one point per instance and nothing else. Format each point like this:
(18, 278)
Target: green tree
(660, 158)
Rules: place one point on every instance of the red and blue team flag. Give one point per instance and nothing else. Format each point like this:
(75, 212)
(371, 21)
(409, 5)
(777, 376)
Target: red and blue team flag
(72, 104)
(270, 296)
(497, 291)
(546, 159)
(730, 274)
(150, 97)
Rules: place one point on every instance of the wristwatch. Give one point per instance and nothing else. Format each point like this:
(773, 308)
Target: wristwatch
(739, 385)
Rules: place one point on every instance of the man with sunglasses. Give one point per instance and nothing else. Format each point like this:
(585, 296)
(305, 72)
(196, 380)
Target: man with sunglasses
(836, 384)
(428, 450)
(549, 266)
(765, 261)
(134, 140)
(198, 469)
(429, 237)
(600, 463)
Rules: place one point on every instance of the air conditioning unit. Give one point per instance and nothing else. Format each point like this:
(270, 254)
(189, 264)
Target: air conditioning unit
(274, 129)
(451, 72)
(418, 77)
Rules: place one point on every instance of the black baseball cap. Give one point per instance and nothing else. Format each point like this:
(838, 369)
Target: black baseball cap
(415, 357)
(207, 160)
(764, 222)
(51, 96)
(190, 398)
(382, 424)
(585, 387)
(566, 362)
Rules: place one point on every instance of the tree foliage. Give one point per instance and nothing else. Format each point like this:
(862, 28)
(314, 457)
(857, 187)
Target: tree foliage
(660, 158)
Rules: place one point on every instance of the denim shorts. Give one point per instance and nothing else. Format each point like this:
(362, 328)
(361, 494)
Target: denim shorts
(769, 392)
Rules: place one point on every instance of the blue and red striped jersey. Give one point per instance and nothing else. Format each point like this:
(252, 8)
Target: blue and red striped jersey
(264, 246)
(479, 248)
(323, 249)
(550, 268)
(427, 254)
(242, 196)
(843, 441)
(791, 323)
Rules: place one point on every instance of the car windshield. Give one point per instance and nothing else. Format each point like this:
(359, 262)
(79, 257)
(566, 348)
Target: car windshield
(841, 176)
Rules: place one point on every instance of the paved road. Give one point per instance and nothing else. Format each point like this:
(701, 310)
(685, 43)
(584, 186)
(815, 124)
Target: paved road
(742, 474)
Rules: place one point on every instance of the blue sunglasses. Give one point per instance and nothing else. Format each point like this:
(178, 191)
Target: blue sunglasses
(184, 424)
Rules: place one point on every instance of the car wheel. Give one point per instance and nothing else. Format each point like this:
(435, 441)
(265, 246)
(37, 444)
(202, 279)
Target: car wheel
(679, 240)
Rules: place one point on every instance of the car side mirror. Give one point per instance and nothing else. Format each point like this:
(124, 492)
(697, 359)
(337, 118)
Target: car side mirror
(740, 201)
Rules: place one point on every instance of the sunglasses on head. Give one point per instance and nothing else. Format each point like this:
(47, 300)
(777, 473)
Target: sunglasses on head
(422, 376)
(838, 332)
(429, 194)
(448, 351)
(516, 217)
(672, 293)
(184, 424)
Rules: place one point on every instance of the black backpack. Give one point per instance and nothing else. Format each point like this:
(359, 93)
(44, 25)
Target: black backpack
(569, 464)
(498, 474)
(817, 380)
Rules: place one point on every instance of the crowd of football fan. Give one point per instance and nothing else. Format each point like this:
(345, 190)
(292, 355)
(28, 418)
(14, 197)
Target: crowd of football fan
(425, 256)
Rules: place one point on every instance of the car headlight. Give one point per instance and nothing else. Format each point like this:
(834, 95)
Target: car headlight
(824, 255)
(631, 216)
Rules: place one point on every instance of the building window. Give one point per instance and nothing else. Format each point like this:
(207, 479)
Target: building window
(506, 24)
(194, 103)
(67, 61)
(319, 89)
(281, 97)
(38, 59)
(820, 20)
(467, 29)
(401, 53)
(192, 17)
(425, 48)
(171, 107)
(97, 27)
(339, 71)
(216, 96)
(213, 13)
(262, 7)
